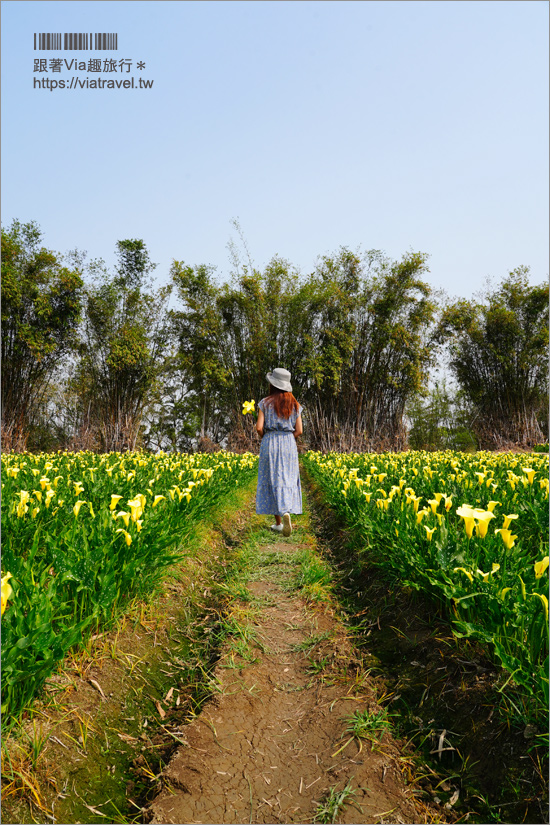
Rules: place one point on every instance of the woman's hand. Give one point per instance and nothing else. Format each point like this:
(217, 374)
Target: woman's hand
(298, 428)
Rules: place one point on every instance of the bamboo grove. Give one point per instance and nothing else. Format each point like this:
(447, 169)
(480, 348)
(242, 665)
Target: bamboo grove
(105, 361)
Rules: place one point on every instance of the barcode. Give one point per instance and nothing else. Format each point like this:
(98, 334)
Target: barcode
(76, 41)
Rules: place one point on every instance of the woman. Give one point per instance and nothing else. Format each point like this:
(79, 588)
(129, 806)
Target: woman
(279, 424)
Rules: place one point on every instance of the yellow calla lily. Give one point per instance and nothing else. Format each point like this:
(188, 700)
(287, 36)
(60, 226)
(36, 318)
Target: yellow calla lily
(415, 501)
(541, 566)
(485, 576)
(127, 536)
(77, 506)
(6, 590)
(507, 537)
(544, 601)
(482, 518)
(467, 514)
(420, 515)
(508, 519)
(463, 570)
(136, 508)
(124, 516)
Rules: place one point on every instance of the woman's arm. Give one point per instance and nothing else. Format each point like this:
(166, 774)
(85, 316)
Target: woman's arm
(298, 429)
(260, 423)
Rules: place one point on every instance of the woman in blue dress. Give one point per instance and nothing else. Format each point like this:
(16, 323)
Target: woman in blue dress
(279, 424)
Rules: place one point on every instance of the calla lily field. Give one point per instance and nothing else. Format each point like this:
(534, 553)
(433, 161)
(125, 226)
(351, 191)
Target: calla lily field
(471, 530)
(84, 534)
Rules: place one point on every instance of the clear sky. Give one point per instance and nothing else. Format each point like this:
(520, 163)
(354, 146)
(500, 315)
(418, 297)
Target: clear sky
(389, 125)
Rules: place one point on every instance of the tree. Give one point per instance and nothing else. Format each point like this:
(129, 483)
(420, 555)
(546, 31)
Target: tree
(439, 419)
(354, 334)
(499, 352)
(199, 362)
(229, 337)
(254, 309)
(124, 338)
(41, 304)
(372, 348)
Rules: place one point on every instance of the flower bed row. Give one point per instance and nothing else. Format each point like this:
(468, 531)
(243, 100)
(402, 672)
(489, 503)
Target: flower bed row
(470, 530)
(84, 534)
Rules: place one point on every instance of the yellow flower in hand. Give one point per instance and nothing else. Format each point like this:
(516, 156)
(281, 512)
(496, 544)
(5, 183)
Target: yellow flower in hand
(248, 407)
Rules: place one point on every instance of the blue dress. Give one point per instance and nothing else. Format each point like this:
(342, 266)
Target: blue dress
(279, 489)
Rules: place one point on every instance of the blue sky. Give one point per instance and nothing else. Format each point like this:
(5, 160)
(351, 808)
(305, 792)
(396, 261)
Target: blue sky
(388, 125)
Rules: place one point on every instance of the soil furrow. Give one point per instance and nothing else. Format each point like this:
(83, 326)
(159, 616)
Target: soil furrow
(272, 742)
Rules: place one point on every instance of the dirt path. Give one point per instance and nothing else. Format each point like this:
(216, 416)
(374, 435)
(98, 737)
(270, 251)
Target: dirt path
(271, 744)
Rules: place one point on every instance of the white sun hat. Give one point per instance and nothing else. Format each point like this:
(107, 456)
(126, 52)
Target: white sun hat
(281, 379)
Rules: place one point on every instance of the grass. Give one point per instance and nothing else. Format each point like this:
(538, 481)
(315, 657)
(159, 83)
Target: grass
(308, 644)
(313, 576)
(367, 725)
(318, 666)
(364, 724)
(330, 807)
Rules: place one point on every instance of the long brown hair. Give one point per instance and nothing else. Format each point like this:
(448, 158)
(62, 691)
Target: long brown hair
(283, 403)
